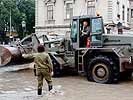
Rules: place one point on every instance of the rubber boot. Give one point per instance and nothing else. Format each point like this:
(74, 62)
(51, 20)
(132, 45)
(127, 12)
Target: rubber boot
(39, 91)
(50, 87)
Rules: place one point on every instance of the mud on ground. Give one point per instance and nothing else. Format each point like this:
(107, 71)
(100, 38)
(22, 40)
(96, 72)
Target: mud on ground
(21, 84)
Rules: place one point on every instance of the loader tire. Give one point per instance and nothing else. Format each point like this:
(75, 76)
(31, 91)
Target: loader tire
(126, 75)
(56, 66)
(56, 69)
(102, 70)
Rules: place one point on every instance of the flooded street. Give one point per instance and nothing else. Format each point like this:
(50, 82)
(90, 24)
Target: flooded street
(16, 84)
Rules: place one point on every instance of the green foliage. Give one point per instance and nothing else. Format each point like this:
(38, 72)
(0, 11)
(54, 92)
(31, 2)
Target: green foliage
(27, 7)
(21, 10)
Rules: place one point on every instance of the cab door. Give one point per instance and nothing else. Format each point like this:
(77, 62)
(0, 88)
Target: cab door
(97, 30)
(74, 33)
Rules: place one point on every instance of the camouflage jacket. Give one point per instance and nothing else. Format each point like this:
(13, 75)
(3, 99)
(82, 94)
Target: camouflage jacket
(41, 60)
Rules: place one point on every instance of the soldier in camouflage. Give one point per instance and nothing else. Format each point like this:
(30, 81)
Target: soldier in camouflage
(43, 67)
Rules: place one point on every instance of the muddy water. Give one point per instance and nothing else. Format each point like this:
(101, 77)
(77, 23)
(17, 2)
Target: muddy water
(18, 84)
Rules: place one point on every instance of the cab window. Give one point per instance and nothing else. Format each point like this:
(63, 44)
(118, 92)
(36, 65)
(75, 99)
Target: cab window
(96, 25)
(84, 32)
(26, 41)
(82, 21)
(96, 32)
(74, 31)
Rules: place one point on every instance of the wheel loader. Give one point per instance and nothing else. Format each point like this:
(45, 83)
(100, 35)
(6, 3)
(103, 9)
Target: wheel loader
(107, 56)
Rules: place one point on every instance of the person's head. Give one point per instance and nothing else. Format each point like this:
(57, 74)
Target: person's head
(40, 48)
(85, 24)
(118, 16)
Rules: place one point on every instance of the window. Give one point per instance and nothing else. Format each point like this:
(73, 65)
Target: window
(123, 13)
(74, 31)
(50, 12)
(131, 13)
(118, 8)
(96, 25)
(69, 10)
(91, 7)
(26, 41)
(128, 15)
(96, 30)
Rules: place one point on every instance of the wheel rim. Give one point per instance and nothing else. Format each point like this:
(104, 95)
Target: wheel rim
(100, 72)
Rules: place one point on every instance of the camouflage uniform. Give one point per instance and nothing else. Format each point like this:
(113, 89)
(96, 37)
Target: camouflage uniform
(43, 67)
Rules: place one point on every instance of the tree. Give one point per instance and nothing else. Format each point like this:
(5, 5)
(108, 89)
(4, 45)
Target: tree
(27, 7)
(6, 7)
(20, 10)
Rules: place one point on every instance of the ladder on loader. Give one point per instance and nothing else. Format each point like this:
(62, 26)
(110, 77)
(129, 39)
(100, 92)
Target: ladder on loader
(80, 64)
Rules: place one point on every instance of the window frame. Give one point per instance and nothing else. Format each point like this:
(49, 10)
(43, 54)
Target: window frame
(69, 10)
(91, 6)
(131, 13)
(123, 13)
(118, 7)
(26, 41)
(50, 12)
(74, 31)
(128, 15)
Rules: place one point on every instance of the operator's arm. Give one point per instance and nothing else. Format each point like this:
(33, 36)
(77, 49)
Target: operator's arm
(83, 32)
(28, 56)
(86, 31)
(50, 63)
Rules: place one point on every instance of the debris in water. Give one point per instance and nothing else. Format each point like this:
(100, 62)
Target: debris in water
(27, 89)
(56, 91)
(8, 92)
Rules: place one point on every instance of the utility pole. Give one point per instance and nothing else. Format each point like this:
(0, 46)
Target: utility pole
(10, 22)
(11, 37)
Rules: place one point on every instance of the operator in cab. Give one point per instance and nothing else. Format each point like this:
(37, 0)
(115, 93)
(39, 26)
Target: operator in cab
(85, 34)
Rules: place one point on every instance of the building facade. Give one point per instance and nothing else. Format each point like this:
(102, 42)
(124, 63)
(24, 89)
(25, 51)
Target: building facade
(131, 14)
(54, 16)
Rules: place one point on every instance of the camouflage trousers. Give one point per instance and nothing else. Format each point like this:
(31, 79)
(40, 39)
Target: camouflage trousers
(43, 74)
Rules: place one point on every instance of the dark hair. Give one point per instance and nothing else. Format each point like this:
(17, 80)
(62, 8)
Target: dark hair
(118, 16)
(85, 21)
(40, 48)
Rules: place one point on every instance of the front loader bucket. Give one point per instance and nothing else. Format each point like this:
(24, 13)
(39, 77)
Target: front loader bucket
(7, 54)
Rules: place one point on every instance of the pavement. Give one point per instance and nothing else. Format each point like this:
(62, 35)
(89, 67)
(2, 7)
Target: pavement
(21, 84)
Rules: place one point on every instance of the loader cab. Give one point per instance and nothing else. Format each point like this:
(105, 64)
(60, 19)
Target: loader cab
(96, 30)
